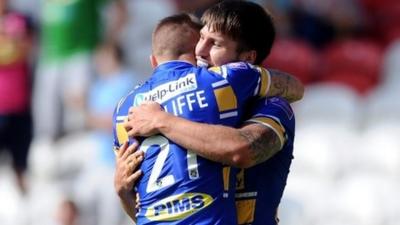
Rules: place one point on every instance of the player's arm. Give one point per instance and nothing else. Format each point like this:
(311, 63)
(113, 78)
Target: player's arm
(270, 82)
(244, 147)
(285, 85)
(126, 175)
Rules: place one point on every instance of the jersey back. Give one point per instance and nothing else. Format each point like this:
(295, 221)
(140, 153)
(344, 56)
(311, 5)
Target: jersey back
(260, 188)
(177, 186)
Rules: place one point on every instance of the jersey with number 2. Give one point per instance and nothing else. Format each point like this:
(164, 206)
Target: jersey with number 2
(177, 186)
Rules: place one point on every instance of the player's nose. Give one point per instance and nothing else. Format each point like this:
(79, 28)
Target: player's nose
(201, 49)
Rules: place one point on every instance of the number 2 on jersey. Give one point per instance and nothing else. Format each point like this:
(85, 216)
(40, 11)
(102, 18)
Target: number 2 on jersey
(155, 181)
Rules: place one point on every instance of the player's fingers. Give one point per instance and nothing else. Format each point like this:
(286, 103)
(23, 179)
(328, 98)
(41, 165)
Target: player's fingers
(135, 160)
(132, 178)
(130, 150)
(132, 110)
(138, 154)
(127, 125)
(147, 103)
(122, 149)
(132, 132)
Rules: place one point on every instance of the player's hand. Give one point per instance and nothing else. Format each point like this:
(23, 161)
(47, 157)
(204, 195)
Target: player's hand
(143, 119)
(127, 173)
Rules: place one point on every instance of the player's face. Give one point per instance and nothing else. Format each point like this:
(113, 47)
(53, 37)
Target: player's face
(215, 48)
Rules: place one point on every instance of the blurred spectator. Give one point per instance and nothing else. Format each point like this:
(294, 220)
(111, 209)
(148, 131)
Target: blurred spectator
(15, 89)
(70, 30)
(113, 81)
(94, 186)
(136, 35)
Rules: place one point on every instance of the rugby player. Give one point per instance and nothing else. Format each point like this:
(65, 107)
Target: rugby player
(175, 187)
(264, 144)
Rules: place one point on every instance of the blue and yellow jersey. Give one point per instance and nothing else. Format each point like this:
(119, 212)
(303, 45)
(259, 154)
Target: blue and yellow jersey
(260, 188)
(177, 186)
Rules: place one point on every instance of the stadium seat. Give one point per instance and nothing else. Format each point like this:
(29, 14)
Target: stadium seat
(382, 106)
(291, 211)
(357, 197)
(330, 103)
(295, 57)
(388, 21)
(360, 83)
(311, 196)
(358, 59)
(391, 67)
(379, 148)
(327, 113)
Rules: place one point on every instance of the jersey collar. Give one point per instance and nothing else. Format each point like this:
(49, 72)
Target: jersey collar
(173, 65)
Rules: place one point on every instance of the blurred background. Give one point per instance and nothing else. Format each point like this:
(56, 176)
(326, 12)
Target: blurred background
(65, 63)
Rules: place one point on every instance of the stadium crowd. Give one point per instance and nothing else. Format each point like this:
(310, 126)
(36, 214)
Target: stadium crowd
(346, 52)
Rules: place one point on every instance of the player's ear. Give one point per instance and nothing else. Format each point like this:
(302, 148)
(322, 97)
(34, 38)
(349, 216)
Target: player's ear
(248, 56)
(153, 61)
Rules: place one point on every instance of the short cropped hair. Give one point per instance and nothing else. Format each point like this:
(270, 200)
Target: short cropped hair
(175, 35)
(247, 23)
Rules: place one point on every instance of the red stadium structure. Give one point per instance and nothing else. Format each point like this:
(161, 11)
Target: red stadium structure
(295, 57)
(352, 62)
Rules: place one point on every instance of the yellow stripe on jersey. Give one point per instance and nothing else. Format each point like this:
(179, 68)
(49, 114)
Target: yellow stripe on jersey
(240, 180)
(122, 135)
(216, 69)
(226, 174)
(275, 126)
(226, 98)
(245, 211)
(265, 81)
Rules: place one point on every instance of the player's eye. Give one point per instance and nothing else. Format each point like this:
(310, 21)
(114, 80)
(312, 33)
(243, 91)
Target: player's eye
(217, 44)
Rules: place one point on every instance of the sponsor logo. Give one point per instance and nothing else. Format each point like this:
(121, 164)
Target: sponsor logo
(139, 98)
(178, 206)
(166, 91)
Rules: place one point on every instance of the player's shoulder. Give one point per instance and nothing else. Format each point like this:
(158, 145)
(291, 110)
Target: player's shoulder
(127, 101)
(234, 66)
(281, 104)
(273, 106)
(231, 66)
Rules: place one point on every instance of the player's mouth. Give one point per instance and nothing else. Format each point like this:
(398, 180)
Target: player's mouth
(201, 62)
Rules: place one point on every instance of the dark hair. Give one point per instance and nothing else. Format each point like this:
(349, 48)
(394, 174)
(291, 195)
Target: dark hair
(175, 35)
(245, 22)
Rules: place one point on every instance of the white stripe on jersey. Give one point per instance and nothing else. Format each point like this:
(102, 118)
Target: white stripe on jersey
(121, 118)
(224, 71)
(246, 194)
(258, 86)
(219, 83)
(227, 115)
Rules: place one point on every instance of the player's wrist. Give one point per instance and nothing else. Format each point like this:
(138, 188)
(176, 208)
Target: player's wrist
(125, 194)
(161, 121)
